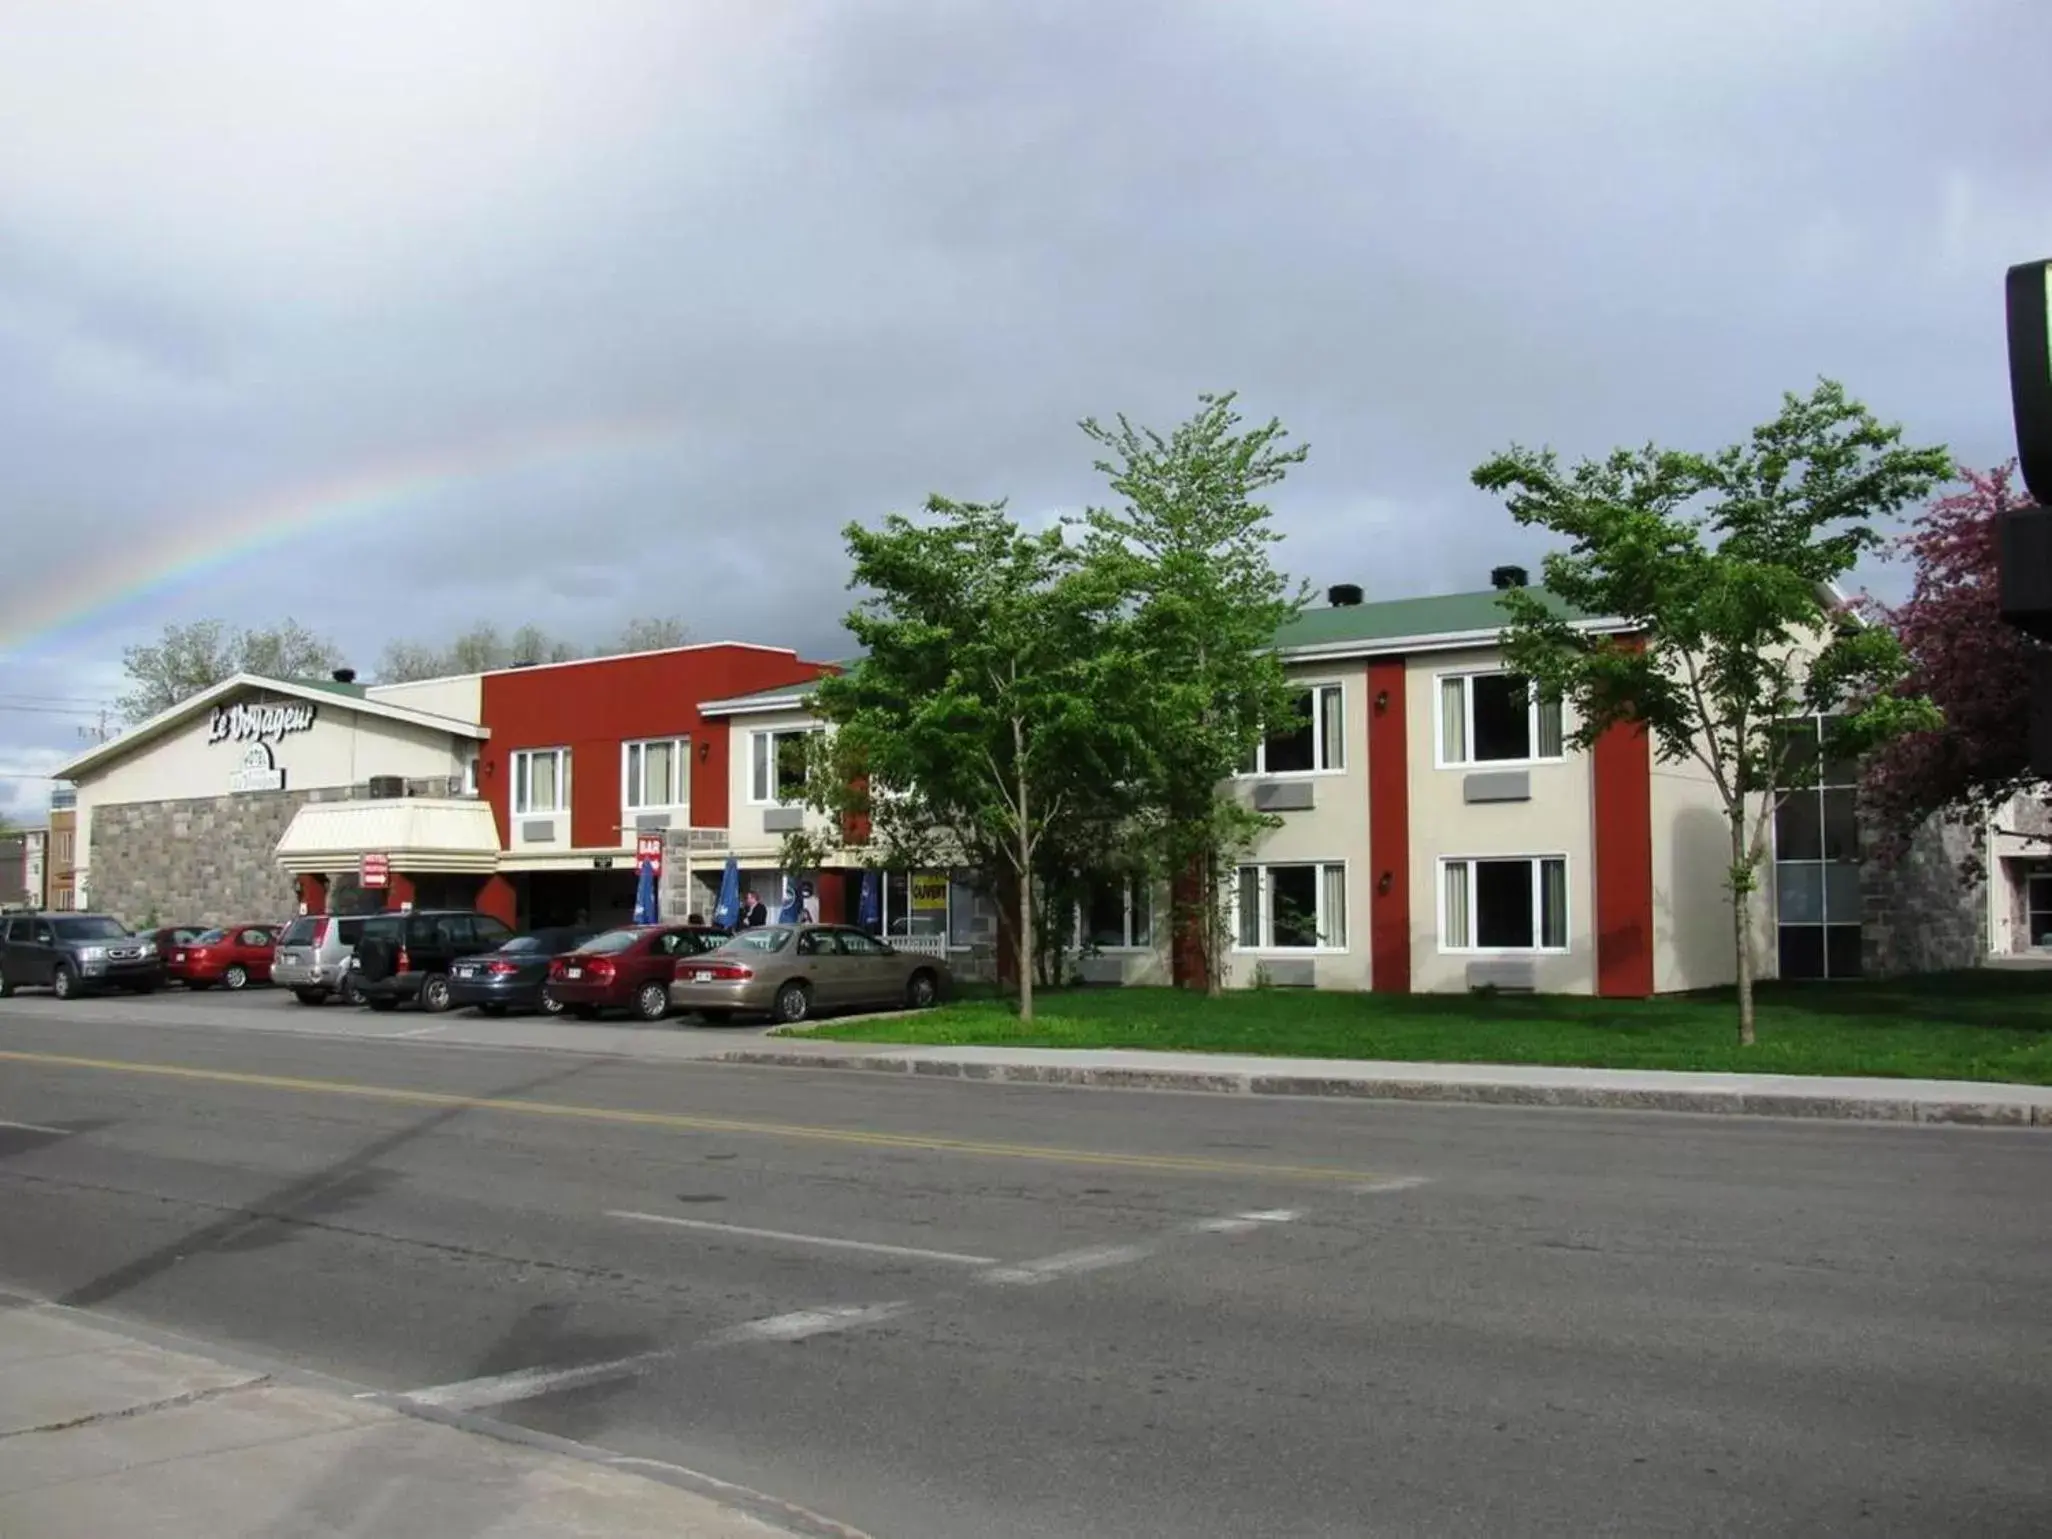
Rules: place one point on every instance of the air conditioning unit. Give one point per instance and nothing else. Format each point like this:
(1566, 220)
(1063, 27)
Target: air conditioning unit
(387, 787)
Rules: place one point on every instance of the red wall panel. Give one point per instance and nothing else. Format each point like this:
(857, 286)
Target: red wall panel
(1389, 829)
(591, 708)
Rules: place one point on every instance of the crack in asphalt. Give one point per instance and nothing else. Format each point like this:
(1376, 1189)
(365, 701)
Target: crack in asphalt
(126, 1413)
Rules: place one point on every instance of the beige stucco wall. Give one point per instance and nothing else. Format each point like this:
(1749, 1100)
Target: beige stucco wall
(1691, 898)
(1557, 820)
(744, 818)
(343, 747)
(461, 696)
(1334, 828)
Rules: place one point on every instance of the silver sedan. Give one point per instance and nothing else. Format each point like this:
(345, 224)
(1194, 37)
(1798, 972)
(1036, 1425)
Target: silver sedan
(790, 971)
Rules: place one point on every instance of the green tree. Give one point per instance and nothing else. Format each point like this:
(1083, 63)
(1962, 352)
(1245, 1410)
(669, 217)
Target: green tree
(988, 707)
(1727, 566)
(189, 658)
(1190, 549)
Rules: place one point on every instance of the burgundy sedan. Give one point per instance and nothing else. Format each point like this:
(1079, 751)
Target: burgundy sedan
(234, 957)
(627, 969)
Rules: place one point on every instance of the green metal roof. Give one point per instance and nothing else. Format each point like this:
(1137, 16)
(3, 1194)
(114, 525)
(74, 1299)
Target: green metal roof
(332, 686)
(1442, 614)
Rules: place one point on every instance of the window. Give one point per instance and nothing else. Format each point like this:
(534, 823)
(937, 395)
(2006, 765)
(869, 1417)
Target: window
(1817, 898)
(1514, 904)
(654, 773)
(1314, 740)
(470, 776)
(856, 944)
(541, 781)
(1295, 907)
(1495, 718)
(776, 775)
(1117, 916)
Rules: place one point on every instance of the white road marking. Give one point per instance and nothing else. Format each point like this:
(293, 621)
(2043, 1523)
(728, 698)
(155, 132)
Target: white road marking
(1392, 1184)
(809, 1322)
(1240, 1223)
(418, 1031)
(1095, 1259)
(955, 1258)
(528, 1383)
(36, 1127)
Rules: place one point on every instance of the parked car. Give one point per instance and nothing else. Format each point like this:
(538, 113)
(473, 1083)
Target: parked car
(402, 957)
(515, 976)
(72, 954)
(628, 969)
(234, 957)
(171, 936)
(789, 971)
(313, 955)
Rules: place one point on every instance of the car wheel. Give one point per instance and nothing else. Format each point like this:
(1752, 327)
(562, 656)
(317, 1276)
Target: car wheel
(585, 1012)
(311, 996)
(434, 993)
(794, 1003)
(922, 990)
(382, 1006)
(652, 1002)
(237, 977)
(550, 1005)
(351, 994)
(494, 1011)
(64, 982)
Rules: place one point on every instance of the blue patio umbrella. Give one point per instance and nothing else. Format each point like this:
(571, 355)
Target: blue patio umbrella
(728, 908)
(645, 894)
(869, 907)
(795, 894)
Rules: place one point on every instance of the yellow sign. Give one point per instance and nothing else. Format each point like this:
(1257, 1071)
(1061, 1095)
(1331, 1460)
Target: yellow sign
(929, 892)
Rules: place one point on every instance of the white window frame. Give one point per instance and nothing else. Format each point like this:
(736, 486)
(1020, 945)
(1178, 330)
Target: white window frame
(678, 792)
(470, 771)
(1538, 861)
(522, 760)
(1467, 676)
(1131, 888)
(772, 733)
(1321, 751)
(1266, 924)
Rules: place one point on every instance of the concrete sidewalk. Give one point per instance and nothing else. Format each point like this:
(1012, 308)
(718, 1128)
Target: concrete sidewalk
(1758, 1095)
(103, 1433)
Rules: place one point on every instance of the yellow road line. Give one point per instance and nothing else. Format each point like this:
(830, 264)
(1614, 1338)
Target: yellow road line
(394, 1096)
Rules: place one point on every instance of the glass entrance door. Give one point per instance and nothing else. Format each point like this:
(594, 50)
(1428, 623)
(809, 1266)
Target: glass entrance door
(2038, 908)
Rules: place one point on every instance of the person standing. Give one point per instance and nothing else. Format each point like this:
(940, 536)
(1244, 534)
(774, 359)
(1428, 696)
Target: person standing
(754, 915)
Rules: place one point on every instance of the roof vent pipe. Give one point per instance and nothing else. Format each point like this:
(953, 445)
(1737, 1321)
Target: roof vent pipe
(1507, 577)
(345, 675)
(1343, 595)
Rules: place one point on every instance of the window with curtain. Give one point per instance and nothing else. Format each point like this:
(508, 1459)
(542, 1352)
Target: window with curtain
(1117, 916)
(541, 781)
(1314, 739)
(1292, 906)
(1497, 718)
(1504, 903)
(654, 773)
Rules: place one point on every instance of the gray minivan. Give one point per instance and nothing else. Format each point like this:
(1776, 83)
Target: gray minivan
(313, 957)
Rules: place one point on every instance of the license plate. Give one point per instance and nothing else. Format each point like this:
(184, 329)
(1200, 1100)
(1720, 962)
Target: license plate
(179, 958)
(699, 977)
(573, 972)
(466, 972)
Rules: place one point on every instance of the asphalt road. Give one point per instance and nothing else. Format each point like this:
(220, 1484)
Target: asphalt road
(937, 1308)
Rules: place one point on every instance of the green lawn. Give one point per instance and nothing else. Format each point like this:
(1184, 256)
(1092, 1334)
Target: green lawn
(1986, 1025)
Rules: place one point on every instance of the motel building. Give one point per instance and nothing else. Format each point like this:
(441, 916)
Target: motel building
(1434, 830)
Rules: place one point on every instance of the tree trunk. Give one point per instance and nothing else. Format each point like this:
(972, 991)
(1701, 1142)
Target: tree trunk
(1026, 926)
(1214, 934)
(1742, 920)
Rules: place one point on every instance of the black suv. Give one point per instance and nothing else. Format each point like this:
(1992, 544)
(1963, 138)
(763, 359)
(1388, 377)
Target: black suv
(74, 954)
(407, 956)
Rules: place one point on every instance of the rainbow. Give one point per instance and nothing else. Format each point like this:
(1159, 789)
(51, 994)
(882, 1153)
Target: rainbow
(124, 575)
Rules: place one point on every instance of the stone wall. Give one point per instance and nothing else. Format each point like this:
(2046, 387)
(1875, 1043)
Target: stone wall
(1919, 916)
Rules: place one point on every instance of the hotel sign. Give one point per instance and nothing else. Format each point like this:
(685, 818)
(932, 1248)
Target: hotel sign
(258, 771)
(260, 723)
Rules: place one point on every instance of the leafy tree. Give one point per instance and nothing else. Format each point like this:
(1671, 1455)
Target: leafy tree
(1726, 565)
(986, 712)
(189, 658)
(1189, 548)
(1973, 667)
(654, 633)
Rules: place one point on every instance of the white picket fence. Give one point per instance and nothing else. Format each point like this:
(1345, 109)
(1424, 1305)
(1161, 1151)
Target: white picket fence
(921, 945)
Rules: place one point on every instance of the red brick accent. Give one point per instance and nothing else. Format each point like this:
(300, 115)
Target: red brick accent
(497, 896)
(831, 888)
(313, 892)
(400, 892)
(1623, 822)
(1389, 829)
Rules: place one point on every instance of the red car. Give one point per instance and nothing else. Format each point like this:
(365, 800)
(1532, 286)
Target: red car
(627, 969)
(234, 957)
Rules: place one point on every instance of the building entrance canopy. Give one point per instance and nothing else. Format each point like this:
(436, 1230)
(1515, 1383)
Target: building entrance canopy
(415, 833)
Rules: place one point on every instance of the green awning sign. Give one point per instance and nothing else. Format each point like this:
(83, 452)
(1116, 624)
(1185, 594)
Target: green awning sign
(2029, 293)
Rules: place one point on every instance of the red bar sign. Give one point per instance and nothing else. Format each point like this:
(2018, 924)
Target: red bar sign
(375, 871)
(648, 850)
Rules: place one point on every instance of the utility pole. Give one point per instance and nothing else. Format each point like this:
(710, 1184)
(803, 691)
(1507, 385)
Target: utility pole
(2026, 533)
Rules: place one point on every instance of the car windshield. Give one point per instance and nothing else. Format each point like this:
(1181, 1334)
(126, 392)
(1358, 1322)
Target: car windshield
(210, 937)
(298, 933)
(610, 942)
(90, 929)
(545, 942)
(769, 938)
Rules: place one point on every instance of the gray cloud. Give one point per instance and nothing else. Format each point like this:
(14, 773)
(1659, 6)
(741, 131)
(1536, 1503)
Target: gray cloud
(852, 255)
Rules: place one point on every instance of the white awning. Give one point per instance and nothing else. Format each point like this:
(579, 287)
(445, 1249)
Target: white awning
(417, 833)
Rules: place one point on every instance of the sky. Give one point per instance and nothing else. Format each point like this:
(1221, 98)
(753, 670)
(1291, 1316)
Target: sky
(394, 317)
